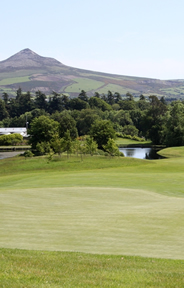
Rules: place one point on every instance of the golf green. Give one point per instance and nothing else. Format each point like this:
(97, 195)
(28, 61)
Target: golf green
(101, 220)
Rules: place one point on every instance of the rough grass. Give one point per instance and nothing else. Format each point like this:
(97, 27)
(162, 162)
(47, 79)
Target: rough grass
(20, 268)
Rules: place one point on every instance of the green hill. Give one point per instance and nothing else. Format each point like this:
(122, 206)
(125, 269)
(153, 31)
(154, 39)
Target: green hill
(32, 72)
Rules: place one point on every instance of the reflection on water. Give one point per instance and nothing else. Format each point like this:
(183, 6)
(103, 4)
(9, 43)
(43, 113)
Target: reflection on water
(4, 155)
(140, 153)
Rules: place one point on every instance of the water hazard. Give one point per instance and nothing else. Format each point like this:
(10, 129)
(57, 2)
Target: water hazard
(141, 153)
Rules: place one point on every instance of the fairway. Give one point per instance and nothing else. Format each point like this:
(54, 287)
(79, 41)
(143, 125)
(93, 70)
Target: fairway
(94, 220)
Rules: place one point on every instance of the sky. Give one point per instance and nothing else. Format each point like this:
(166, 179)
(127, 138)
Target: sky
(143, 38)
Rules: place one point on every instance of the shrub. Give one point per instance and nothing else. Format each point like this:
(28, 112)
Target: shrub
(11, 139)
(28, 153)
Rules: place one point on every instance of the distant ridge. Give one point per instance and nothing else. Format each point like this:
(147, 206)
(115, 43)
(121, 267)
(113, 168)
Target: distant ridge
(33, 72)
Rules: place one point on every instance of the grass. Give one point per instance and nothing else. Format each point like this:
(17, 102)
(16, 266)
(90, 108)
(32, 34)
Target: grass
(124, 141)
(21, 268)
(116, 88)
(10, 81)
(85, 84)
(122, 208)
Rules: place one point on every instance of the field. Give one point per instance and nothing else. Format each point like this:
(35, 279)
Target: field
(84, 84)
(112, 206)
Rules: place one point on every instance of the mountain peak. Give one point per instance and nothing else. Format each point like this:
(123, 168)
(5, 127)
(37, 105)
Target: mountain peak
(27, 51)
(26, 58)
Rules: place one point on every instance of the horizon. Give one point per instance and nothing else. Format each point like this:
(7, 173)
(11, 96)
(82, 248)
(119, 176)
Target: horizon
(133, 38)
(90, 69)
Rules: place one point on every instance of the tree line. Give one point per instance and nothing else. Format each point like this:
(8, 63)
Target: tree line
(148, 117)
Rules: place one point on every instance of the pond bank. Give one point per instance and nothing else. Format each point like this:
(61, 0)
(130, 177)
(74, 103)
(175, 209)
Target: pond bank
(14, 148)
(141, 146)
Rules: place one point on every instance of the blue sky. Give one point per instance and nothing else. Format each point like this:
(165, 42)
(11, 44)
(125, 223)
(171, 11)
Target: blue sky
(129, 37)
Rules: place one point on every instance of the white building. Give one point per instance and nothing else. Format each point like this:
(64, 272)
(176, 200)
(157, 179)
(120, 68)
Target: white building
(18, 130)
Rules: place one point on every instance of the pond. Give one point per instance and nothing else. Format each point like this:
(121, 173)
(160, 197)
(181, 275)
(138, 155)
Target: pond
(4, 155)
(141, 153)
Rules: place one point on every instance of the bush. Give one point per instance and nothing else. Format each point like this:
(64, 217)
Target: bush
(136, 138)
(28, 153)
(11, 139)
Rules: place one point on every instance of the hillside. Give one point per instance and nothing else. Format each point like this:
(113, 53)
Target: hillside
(32, 72)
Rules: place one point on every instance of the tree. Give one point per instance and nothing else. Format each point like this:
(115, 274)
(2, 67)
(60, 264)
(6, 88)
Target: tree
(110, 98)
(99, 103)
(129, 96)
(83, 96)
(85, 119)
(43, 129)
(153, 120)
(97, 95)
(130, 130)
(117, 97)
(123, 118)
(91, 145)
(3, 111)
(77, 104)
(111, 147)
(67, 143)
(57, 144)
(101, 131)
(174, 133)
(40, 100)
(127, 104)
(5, 97)
(66, 122)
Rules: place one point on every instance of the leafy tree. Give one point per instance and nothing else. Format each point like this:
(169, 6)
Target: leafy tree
(130, 130)
(96, 102)
(116, 107)
(153, 120)
(42, 130)
(43, 148)
(85, 119)
(101, 131)
(77, 104)
(57, 144)
(66, 122)
(174, 133)
(127, 104)
(111, 147)
(67, 143)
(123, 118)
(91, 145)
